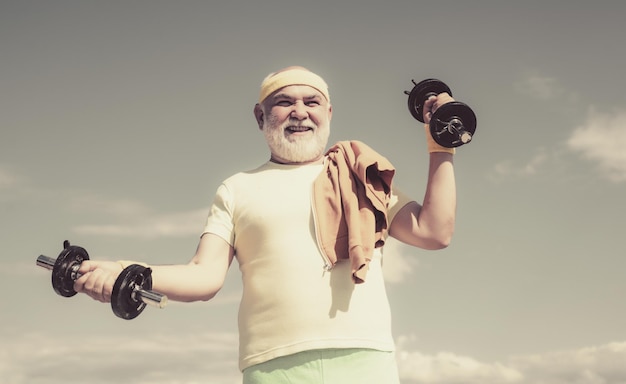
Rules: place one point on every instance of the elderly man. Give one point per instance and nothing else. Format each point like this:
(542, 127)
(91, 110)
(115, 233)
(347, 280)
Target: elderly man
(307, 315)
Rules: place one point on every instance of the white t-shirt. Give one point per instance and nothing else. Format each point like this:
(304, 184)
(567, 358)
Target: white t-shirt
(290, 302)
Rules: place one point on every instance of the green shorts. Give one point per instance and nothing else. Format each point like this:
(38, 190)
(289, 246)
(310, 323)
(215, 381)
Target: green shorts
(327, 366)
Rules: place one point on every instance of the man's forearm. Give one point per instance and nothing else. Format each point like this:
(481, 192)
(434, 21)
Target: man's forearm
(438, 213)
(187, 283)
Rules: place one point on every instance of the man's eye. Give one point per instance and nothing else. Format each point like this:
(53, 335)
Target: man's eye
(283, 103)
(313, 103)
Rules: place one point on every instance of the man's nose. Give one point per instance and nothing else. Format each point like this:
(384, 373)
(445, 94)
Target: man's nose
(299, 111)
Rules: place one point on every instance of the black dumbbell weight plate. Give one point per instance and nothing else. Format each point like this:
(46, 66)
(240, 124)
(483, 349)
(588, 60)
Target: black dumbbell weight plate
(420, 93)
(447, 119)
(123, 301)
(62, 279)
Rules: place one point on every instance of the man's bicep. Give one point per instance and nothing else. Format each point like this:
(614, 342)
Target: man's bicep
(213, 250)
(404, 226)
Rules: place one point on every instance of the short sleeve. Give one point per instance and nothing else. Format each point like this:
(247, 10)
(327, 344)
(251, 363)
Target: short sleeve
(398, 200)
(220, 219)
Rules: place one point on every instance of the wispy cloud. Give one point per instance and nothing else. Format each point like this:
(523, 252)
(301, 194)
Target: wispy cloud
(152, 226)
(132, 218)
(449, 368)
(590, 365)
(191, 357)
(399, 262)
(508, 169)
(8, 178)
(601, 140)
(540, 87)
(14, 186)
(543, 88)
(602, 364)
(121, 217)
(161, 358)
(122, 208)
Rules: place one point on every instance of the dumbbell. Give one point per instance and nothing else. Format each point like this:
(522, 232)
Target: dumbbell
(453, 124)
(131, 291)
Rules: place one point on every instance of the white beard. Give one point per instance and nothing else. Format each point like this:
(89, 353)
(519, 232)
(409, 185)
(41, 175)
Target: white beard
(295, 149)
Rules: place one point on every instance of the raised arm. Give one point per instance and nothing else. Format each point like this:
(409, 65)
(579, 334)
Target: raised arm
(431, 224)
(200, 279)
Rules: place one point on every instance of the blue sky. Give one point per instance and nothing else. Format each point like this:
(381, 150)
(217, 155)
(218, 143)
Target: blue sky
(119, 119)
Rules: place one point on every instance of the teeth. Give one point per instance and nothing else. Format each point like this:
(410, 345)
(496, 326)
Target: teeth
(299, 129)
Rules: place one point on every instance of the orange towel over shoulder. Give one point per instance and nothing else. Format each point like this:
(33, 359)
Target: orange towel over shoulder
(350, 200)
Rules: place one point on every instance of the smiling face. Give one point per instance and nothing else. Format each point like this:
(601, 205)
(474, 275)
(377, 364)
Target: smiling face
(296, 123)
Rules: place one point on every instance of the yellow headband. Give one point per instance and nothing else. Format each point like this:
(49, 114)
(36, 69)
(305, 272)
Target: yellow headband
(296, 76)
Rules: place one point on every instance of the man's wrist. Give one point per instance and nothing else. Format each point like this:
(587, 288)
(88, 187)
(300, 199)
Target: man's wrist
(432, 144)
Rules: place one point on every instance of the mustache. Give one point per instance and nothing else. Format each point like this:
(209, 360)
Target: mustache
(300, 124)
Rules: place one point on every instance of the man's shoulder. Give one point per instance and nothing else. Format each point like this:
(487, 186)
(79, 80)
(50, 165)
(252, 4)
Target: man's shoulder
(243, 177)
(250, 171)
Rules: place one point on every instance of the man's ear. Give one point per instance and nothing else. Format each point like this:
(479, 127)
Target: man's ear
(259, 115)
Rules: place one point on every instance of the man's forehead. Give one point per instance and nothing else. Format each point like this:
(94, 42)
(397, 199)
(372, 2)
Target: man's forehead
(297, 91)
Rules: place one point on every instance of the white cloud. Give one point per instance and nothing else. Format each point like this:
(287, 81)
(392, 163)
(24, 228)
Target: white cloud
(163, 358)
(133, 218)
(187, 357)
(602, 139)
(97, 204)
(450, 368)
(603, 364)
(150, 225)
(399, 261)
(13, 185)
(8, 179)
(508, 169)
(540, 87)
(590, 365)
